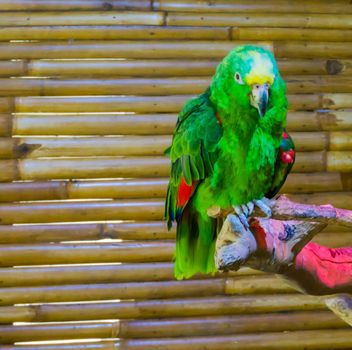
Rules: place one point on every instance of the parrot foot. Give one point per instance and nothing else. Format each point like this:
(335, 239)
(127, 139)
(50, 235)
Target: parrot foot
(242, 212)
(245, 210)
(234, 245)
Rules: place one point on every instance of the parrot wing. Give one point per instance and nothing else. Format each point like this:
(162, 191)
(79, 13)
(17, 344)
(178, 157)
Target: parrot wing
(284, 163)
(192, 153)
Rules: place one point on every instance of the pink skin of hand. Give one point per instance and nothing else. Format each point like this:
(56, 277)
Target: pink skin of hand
(330, 267)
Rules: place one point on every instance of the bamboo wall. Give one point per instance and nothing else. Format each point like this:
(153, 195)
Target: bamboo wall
(90, 91)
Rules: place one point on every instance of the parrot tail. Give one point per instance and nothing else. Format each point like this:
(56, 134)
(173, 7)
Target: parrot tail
(195, 243)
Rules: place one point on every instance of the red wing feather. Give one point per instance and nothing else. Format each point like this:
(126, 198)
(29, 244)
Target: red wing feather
(184, 193)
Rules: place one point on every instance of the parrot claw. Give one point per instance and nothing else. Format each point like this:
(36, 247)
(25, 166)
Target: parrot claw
(263, 205)
(245, 210)
(250, 206)
(242, 214)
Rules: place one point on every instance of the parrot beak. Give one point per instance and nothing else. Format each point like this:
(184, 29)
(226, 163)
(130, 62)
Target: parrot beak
(259, 97)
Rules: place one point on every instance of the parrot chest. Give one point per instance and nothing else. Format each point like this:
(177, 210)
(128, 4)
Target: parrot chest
(244, 169)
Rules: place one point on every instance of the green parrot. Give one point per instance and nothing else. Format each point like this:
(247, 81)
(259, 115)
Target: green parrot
(229, 150)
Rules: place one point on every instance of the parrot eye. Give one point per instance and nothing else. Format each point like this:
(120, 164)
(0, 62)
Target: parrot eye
(238, 78)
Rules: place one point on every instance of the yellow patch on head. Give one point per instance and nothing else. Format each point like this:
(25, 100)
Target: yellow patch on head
(261, 71)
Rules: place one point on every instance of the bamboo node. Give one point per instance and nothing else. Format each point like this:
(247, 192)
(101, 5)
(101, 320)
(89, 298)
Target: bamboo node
(24, 149)
(334, 67)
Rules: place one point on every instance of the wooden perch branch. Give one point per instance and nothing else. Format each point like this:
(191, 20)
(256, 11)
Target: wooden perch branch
(236, 244)
(285, 209)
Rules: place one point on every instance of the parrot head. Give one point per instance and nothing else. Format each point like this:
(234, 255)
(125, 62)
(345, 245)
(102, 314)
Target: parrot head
(245, 79)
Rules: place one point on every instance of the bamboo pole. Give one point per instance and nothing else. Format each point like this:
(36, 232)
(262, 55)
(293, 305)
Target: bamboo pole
(148, 188)
(33, 147)
(320, 120)
(310, 162)
(205, 326)
(342, 200)
(316, 182)
(323, 161)
(336, 161)
(160, 67)
(243, 6)
(148, 124)
(95, 124)
(313, 141)
(143, 167)
(156, 86)
(104, 345)
(12, 68)
(259, 33)
(141, 230)
(185, 307)
(336, 101)
(159, 104)
(136, 104)
(113, 31)
(111, 291)
(334, 340)
(112, 189)
(120, 49)
(100, 273)
(299, 49)
(137, 67)
(84, 274)
(144, 290)
(334, 239)
(73, 253)
(291, 20)
(315, 84)
(69, 168)
(335, 228)
(226, 324)
(72, 5)
(28, 19)
(89, 147)
(134, 86)
(143, 145)
(315, 66)
(340, 140)
(73, 211)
